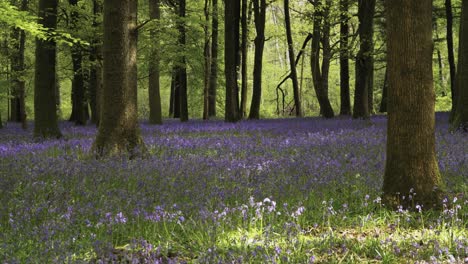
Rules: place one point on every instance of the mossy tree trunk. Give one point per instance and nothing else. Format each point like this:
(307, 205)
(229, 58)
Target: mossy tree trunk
(45, 94)
(364, 61)
(411, 164)
(259, 18)
(154, 95)
(118, 132)
(460, 115)
(231, 59)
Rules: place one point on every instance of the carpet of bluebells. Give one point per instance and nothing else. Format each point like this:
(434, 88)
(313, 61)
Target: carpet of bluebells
(269, 191)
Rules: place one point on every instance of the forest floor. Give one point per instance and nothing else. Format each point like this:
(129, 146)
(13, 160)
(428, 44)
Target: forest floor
(268, 191)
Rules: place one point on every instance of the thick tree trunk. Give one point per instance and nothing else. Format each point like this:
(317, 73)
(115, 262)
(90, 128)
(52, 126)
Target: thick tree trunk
(95, 57)
(450, 53)
(460, 116)
(154, 95)
(118, 132)
(207, 62)
(214, 61)
(244, 57)
(411, 167)
(231, 59)
(320, 74)
(364, 61)
(45, 112)
(292, 64)
(181, 78)
(345, 101)
(259, 19)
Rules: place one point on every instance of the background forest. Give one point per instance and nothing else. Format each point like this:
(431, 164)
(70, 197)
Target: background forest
(79, 30)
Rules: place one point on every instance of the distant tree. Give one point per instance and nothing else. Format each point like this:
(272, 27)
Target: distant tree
(411, 164)
(231, 59)
(154, 96)
(292, 64)
(259, 8)
(95, 57)
(213, 86)
(345, 102)
(78, 96)
(244, 53)
(364, 61)
(321, 35)
(18, 104)
(118, 132)
(460, 116)
(181, 65)
(45, 111)
(207, 62)
(450, 52)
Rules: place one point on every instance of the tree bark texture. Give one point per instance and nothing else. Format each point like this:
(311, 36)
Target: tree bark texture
(45, 96)
(345, 101)
(244, 57)
(259, 19)
(95, 57)
(118, 132)
(154, 95)
(181, 67)
(321, 35)
(450, 52)
(231, 59)
(214, 61)
(364, 60)
(411, 166)
(292, 64)
(460, 116)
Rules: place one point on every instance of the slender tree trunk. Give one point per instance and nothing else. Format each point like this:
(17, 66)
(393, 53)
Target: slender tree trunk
(95, 57)
(292, 64)
(231, 59)
(345, 105)
(45, 112)
(214, 61)
(460, 116)
(450, 53)
(320, 74)
(175, 94)
(364, 61)
(244, 57)
(383, 102)
(118, 132)
(411, 166)
(259, 17)
(154, 96)
(181, 79)
(207, 63)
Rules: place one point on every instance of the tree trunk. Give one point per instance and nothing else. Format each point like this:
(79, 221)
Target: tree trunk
(460, 116)
(154, 96)
(244, 57)
(45, 112)
(450, 53)
(181, 79)
(345, 102)
(259, 17)
(95, 76)
(207, 62)
(292, 64)
(364, 61)
(214, 61)
(118, 132)
(411, 167)
(321, 34)
(383, 102)
(176, 94)
(231, 59)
